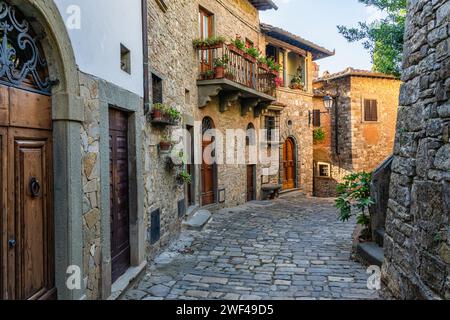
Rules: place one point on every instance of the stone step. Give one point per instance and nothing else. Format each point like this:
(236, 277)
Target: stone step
(371, 253)
(191, 211)
(198, 220)
(379, 237)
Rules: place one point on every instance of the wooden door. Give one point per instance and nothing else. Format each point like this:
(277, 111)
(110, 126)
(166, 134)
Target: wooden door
(191, 165)
(250, 182)
(208, 185)
(119, 186)
(288, 165)
(26, 224)
(208, 169)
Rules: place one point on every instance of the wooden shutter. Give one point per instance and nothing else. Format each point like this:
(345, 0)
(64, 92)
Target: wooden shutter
(316, 118)
(370, 110)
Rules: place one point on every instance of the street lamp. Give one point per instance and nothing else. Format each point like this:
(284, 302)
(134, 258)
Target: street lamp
(328, 103)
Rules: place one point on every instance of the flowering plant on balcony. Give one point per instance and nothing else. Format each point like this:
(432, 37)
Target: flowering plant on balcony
(273, 66)
(278, 82)
(209, 43)
(297, 83)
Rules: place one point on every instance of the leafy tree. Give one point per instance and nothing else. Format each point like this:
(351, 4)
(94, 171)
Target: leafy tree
(383, 38)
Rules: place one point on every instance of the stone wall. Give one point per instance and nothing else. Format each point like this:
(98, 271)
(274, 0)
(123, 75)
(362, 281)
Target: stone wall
(417, 242)
(294, 123)
(361, 145)
(90, 150)
(172, 58)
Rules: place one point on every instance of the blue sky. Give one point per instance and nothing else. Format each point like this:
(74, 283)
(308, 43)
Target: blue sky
(316, 20)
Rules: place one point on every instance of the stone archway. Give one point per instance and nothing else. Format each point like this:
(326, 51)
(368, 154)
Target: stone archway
(67, 115)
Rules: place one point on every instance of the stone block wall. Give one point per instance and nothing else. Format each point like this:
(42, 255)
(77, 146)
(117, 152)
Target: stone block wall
(294, 123)
(362, 145)
(417, 243)
(172, 58)
(373, 142)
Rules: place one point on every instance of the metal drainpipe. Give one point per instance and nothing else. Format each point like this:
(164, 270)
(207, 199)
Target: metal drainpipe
(336, 124)
(144, 10)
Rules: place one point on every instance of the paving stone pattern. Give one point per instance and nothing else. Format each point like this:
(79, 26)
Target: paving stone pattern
(295, 248)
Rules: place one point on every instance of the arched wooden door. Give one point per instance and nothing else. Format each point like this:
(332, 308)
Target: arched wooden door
(209, 186)
(289, 164)
(26, 201)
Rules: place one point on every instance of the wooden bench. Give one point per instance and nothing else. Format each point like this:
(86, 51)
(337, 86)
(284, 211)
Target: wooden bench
(271, 191)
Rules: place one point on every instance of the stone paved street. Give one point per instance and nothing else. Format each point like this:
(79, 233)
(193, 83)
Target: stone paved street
(293, 248)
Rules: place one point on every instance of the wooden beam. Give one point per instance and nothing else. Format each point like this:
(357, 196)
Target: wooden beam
(286, 45)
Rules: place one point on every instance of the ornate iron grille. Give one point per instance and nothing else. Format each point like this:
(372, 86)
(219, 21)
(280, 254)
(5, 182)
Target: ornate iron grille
(22, 63)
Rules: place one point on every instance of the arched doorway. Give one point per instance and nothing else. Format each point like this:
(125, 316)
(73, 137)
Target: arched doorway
(26, 168)
(289, 164)
(209, 167)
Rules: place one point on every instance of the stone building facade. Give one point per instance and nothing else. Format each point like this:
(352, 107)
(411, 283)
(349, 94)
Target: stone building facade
(297, 58)
(417, 241)
(354, 141)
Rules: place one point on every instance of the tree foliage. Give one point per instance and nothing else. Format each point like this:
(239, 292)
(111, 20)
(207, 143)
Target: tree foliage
(384, 37)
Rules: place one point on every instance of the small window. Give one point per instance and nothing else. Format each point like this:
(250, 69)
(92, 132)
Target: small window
(370, 110)
(250, 139)
(157, 89)
(323, 170)
(187, 97)
(270, 127)
(316, 118)
(125, 59)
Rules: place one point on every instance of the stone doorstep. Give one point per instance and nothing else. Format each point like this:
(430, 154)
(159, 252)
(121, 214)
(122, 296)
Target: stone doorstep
(371, 253)
(127, 280)
(198, 220)
(191, 210)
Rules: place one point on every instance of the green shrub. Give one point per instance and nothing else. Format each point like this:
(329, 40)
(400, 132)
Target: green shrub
(354, 199)
(319, 135)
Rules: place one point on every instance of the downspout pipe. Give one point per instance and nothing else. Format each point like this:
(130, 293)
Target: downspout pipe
(146, 81)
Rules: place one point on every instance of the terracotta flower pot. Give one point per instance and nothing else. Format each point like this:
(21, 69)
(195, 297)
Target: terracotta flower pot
(219, 72)
(157, 114)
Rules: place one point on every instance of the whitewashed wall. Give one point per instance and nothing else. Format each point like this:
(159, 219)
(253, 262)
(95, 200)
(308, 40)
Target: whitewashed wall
(104, 25)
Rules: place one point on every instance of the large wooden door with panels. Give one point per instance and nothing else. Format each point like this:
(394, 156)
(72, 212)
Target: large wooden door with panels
(26, 201)
(119, 197)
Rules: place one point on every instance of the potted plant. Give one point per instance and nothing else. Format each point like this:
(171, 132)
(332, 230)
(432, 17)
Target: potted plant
(220, 65)
(208, 74)
(173, 115)
(165, 145)
(237, 46)
(262, 63)
(252, 54)
(318, 135)
(184, 178)
(273, 66)
(297, 83)
(158, 111)
(209, 43)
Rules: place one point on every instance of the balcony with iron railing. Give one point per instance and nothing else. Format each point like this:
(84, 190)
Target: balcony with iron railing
(233, 75)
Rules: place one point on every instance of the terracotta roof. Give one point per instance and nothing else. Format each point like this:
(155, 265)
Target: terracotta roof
(264, 4)
(292, 39)
(351, 72)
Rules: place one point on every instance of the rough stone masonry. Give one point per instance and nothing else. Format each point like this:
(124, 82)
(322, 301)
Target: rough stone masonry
(417, 243)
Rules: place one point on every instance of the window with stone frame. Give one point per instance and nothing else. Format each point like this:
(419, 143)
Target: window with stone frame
(323, 170)
(370, 110)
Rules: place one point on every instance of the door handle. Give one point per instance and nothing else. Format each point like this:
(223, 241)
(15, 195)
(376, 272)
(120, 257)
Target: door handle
(35, 187)
(11, 243)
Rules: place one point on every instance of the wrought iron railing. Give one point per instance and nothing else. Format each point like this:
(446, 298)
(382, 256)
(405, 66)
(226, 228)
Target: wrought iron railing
(238, 67)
